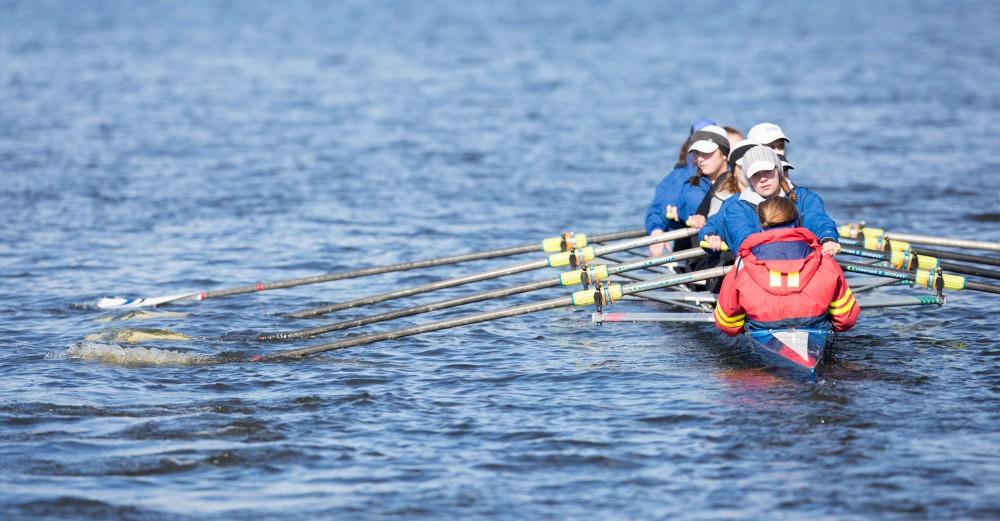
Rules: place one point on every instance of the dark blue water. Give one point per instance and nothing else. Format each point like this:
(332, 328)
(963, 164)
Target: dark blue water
(152, 148)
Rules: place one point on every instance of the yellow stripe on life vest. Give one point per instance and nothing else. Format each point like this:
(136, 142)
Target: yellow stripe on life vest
(727, 320)
(840, 302)
(775, 279)
(846, 307)
(793, 279)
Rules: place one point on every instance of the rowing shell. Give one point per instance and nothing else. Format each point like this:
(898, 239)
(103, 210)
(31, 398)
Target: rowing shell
(800, 349)
(795, 348)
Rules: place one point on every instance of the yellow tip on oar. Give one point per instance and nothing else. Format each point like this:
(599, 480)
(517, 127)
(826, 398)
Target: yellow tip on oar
(704, 244)
(565, 242)
(901, 258)
(850, 230)
(874, 237)
(609, 294)
(928, 279)
(926, 262)
(563, 259)
(595, 274)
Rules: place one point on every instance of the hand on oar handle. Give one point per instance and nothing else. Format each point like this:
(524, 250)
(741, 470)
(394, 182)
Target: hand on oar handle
(696, 221)
(656, 249)
(714, 242)
(831, 248)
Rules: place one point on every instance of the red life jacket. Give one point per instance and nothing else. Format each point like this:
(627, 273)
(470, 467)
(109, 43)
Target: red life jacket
(782, 279)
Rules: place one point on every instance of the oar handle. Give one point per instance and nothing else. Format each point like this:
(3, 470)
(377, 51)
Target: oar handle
(707, 246)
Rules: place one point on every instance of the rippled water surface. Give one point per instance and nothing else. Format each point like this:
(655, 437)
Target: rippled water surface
(154, 148)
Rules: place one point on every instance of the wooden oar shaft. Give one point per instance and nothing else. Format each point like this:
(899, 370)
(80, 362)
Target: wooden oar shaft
(493, 274)
(479, 297)
(483, 317)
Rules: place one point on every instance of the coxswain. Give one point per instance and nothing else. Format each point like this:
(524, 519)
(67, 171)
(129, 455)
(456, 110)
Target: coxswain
(783, 279)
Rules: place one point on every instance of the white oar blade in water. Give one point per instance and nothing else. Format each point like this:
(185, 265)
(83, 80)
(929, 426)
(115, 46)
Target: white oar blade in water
(123, 303)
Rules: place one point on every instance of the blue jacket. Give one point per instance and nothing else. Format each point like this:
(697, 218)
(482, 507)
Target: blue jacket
(668, 193)
(691, 197)
(737, 219)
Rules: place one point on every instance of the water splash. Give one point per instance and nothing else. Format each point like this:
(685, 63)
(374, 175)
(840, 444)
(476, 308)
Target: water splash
(134, 356)
(134, 335)
(143, 315)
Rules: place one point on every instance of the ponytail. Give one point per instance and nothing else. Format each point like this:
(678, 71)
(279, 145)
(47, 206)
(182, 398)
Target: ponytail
(776, 211)
(787, 188)
(682, 155)
(732, 183)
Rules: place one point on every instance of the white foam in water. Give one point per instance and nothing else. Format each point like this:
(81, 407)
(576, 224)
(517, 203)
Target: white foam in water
(133, 356)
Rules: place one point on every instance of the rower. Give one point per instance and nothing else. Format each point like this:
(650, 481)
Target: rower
(782, 279)
(725, 186)
(733, 134)
(710, 148)
(662, 211)
(737, 219)
(769, 135)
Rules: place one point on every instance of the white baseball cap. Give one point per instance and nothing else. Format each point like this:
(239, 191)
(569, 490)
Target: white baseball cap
(740, 148)
(759, 159)
(709, 139)
(766, 133)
